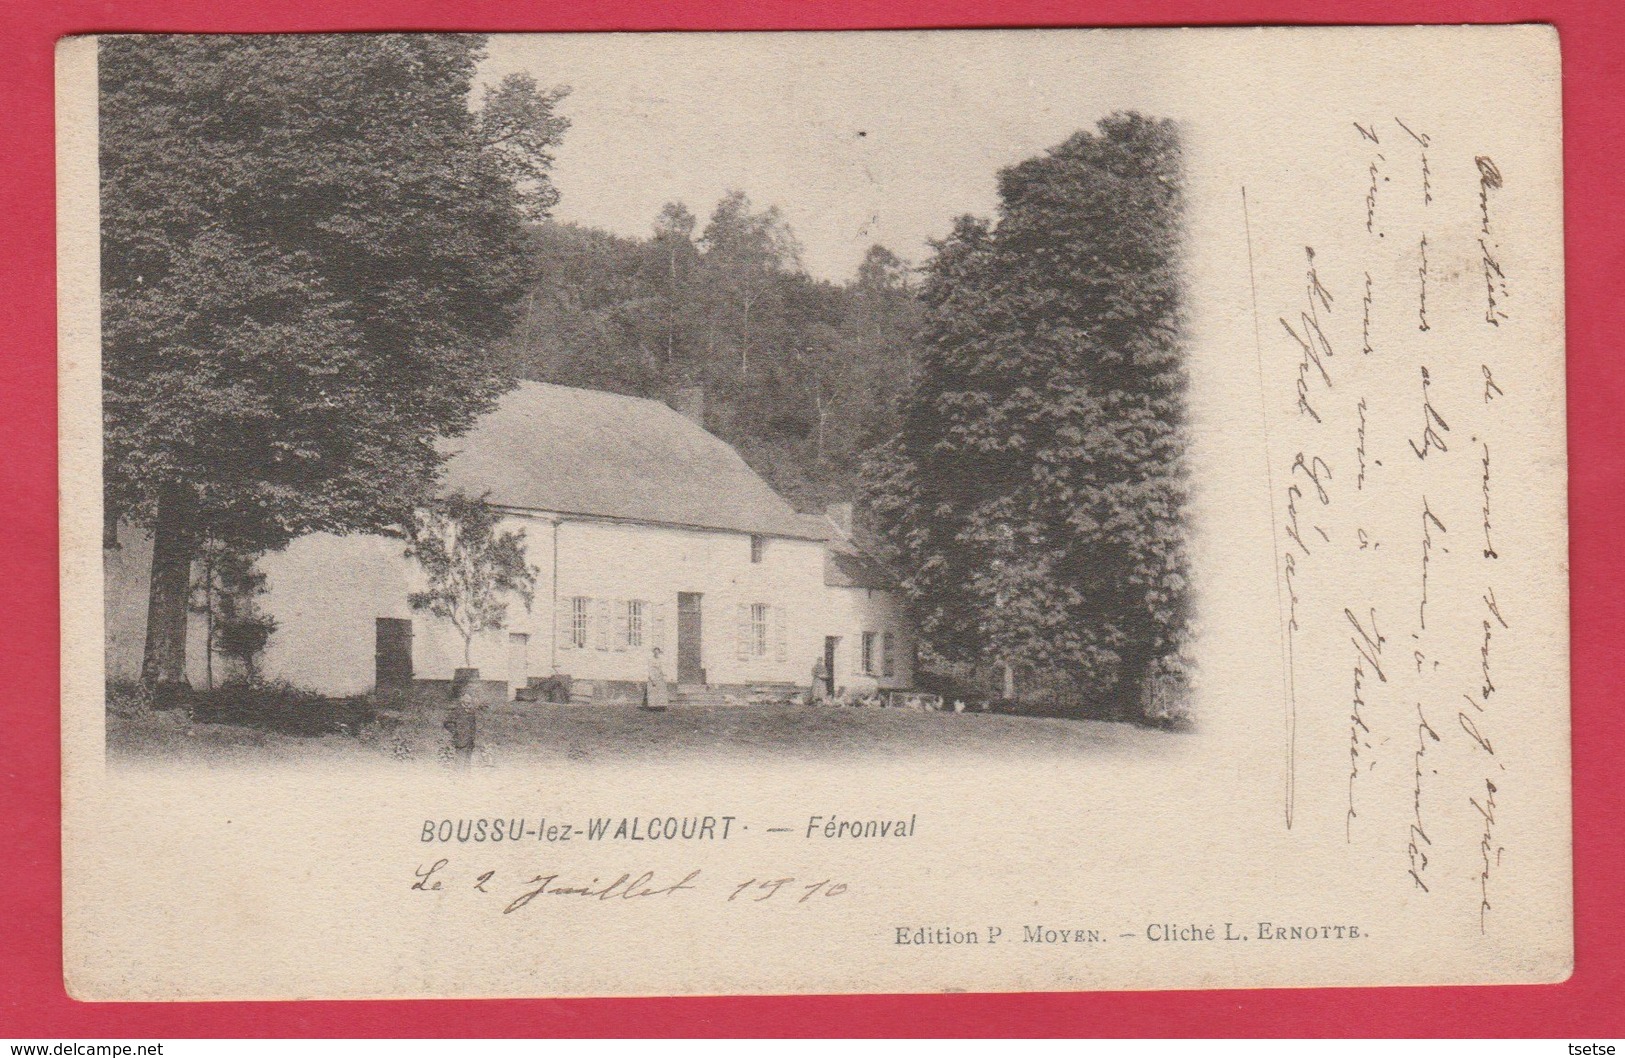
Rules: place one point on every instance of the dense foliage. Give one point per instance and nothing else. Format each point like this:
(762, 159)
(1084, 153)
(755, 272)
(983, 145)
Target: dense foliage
(226, 586)
(1034, 496)
(309, 246)
(801, 376)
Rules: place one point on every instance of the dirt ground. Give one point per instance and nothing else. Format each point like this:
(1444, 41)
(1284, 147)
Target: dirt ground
(522, 734)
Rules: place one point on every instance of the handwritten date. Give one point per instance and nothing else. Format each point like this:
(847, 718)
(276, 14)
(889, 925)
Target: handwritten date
(434, 877)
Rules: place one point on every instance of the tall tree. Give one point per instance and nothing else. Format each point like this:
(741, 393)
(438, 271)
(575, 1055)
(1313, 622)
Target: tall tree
(1035, 494)
(746, 253)
(307, 242)
(878, 355)
(673, 260)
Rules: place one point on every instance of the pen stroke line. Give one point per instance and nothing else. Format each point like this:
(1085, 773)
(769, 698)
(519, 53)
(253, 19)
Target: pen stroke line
(1288, 676)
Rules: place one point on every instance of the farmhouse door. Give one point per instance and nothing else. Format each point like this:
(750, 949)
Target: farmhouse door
(392, 653)
(689, 669)
(830, 643)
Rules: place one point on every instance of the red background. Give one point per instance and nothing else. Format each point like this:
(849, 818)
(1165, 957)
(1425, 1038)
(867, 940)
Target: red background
(32, 1000)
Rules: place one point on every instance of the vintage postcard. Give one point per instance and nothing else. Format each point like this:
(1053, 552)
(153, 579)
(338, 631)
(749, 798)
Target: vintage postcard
(742, 513)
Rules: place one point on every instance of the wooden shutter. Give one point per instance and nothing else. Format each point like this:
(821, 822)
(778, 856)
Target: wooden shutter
(623, 624)
(888, 653)
(603, 623)
(564, 622)
(655, 614)
(742, 632)
(780, 647)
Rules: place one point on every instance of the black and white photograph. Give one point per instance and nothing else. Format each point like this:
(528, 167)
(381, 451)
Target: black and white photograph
(616, 514)
(407, 453)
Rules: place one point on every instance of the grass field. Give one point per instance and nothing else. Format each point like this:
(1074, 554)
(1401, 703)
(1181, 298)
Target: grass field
(541, 733)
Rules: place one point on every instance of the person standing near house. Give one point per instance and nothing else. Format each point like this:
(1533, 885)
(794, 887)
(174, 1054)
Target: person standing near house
(654, 696)
(462, 720)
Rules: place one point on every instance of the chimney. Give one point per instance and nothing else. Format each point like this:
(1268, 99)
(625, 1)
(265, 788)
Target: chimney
(689, 402)
(840, 516)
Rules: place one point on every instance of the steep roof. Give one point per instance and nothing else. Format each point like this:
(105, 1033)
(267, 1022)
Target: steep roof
(580, 451)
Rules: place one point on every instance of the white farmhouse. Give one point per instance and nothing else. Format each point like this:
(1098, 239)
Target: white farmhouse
(645, 530)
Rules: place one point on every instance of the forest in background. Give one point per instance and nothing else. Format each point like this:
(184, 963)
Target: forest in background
(801, 375)
(290, 329)
(1008, 419)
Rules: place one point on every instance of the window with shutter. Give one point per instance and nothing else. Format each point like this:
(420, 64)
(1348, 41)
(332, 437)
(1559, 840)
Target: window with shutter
(564, 622)
(657, 632)
(742, 632)
(867, 658)
(637, 623)
(605, 624)
(581, 621)
(758, 629)
(888, 654)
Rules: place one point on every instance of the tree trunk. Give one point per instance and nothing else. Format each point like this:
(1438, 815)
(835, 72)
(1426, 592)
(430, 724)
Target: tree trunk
(208, 616)
(818, 399)
(530, 305)
(174, 544)
(671, 312)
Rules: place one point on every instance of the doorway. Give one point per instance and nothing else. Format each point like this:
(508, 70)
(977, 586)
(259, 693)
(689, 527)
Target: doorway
(689, 658)
(830, 643)
(392, 653)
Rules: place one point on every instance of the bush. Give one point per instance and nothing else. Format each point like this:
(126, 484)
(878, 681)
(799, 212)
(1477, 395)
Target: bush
(243, 639)
(1166, 701)
(282, 708)
(128, 698)
(959, 682)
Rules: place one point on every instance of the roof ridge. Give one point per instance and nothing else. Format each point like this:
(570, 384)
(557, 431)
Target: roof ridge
(547, 446)
(603, 393)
